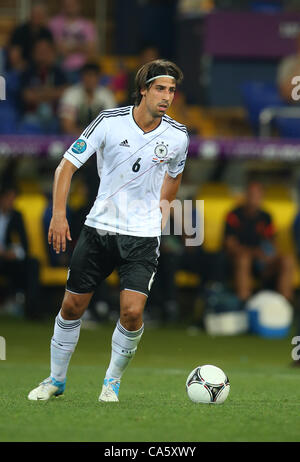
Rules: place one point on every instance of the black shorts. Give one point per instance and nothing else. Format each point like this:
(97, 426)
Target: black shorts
(97, 254)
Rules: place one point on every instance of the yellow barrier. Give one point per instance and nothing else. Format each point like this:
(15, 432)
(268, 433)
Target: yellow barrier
(32, 207)
(218, 202)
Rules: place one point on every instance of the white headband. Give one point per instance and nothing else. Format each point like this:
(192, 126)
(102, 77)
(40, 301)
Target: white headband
(158, 76)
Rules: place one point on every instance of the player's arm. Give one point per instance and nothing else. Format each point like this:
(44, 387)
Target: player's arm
(77, 154)
(168, 193)
(59, 229)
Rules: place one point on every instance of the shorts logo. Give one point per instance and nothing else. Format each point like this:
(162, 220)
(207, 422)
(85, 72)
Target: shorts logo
(151, 281)
(79, 146)
(161, 152)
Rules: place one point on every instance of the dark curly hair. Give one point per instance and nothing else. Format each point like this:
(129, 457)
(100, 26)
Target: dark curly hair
(152, 69)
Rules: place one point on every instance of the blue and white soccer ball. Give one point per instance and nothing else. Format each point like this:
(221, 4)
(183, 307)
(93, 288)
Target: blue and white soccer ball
(208, 385)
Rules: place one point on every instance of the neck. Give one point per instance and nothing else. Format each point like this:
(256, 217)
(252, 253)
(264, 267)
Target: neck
(144, 119)
(251, 210)
(89, 91)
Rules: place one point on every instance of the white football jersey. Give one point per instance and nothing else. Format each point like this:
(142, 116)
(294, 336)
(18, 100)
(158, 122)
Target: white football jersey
(132, 166)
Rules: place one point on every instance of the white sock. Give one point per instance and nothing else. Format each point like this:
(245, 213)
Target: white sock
(63, 343)
(124, 344)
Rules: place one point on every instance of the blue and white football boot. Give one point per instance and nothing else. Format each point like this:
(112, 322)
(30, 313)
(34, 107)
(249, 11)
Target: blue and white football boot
(49, 387)
(110, 390)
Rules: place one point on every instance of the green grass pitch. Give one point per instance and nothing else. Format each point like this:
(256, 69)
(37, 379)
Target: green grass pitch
(263, 404)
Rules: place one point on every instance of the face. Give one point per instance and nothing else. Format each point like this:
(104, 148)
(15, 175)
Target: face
(254, 195)
(14, 55)
(7, 201)
(90, 80)
(39, 15)
(158, 98)
(71, 8)
(44, 53)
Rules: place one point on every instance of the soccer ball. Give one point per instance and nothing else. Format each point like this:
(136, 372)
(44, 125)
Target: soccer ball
(207, 384)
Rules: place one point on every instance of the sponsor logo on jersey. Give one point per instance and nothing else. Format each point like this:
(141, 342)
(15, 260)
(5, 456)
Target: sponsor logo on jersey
(79, 146)
(161, 152)
(125, 144)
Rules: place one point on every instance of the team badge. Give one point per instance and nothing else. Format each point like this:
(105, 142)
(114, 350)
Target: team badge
(161, 152)
(79, 146)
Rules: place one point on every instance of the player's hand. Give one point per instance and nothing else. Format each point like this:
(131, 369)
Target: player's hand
(59, 231)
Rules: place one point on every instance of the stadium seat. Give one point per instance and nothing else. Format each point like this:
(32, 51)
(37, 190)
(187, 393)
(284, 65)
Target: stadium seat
(29, 128)
(288, 127)
(8, 117)
(258, 96)
(186, 279)
(277, 191)
(32, 207)
(217, 203)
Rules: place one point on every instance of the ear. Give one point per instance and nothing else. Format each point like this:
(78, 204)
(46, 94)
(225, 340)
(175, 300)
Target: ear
(143, 91)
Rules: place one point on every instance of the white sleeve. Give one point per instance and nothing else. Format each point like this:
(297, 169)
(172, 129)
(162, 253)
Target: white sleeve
(91, 139)
(176, 165)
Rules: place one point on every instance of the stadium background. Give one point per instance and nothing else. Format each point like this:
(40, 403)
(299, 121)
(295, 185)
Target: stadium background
(229, 52)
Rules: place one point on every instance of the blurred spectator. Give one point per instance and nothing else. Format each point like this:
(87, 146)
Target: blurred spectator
(42, 86)
(195, 7)
(10, 108)
(249, 245)
(288, 68)
(81, 103)
(15, 59)
(76, 38)
(34, 29)
(20, 271)
(16, 65)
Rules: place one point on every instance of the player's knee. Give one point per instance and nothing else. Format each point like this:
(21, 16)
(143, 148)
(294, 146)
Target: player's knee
(72, 307)
(132, 316)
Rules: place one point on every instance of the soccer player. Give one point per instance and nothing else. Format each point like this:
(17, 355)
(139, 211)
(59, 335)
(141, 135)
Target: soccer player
(141, 154)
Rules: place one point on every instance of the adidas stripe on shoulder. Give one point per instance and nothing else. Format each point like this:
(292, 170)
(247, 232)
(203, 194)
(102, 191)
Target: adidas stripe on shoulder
(105, 114)
(175, 124)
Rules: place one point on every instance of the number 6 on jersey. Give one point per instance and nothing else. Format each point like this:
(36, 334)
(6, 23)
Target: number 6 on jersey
(136, 166)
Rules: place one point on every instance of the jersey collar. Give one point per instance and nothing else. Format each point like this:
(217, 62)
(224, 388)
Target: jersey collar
(138, 128)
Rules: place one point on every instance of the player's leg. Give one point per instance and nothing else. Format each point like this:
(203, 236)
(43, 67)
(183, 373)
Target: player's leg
(137, 269)
(63, 343)
(90, 264)
(66, 333)
(125, 340)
